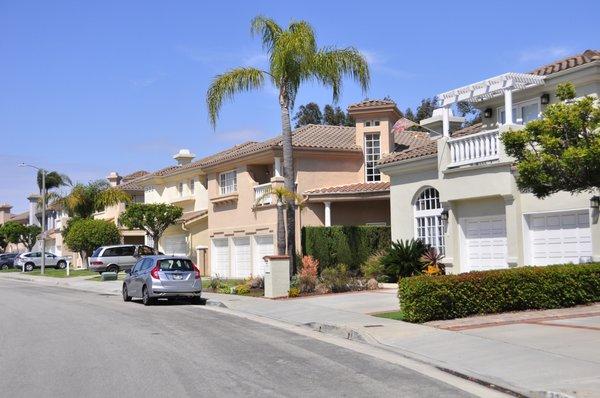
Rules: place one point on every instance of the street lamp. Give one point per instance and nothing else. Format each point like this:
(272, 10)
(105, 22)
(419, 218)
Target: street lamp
(43, 213)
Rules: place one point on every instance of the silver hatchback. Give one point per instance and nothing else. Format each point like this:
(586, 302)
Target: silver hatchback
(155, 277)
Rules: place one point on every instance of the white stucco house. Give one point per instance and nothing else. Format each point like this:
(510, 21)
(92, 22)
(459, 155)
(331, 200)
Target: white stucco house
(457, 190)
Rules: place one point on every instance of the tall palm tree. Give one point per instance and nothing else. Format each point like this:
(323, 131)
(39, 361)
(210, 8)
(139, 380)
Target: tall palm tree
(54, 179)
(85, 200)
(283, 196)
(294, 58)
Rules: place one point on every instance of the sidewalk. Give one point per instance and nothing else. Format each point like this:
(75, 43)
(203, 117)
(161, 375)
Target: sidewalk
(531, 358)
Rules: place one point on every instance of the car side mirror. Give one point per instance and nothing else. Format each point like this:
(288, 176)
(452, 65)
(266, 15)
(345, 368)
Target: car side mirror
(128, 271)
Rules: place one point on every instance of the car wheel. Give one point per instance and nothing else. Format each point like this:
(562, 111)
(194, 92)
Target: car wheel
(113, 268)
(4, 266)
(146, 299)
(28, 267)
(126, 296)
(61, 265)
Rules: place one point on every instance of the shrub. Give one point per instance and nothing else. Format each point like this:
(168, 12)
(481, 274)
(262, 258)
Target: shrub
(425, 298)
(373, 267)
(350, 245)
(242, 289)
(337, 279)
(294, 292)
(85, 235)
(307, 276)
(256, 282)
(404, 258)
(433, 262)
(216, 283)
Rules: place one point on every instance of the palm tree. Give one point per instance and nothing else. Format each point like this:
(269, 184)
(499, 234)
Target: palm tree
(85, 200)
(294, 58)
(283, 197)
(54, 179)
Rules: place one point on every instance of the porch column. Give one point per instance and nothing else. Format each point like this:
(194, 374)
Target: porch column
(446, 120)
(514, 231)
(508, 103)
(277, 167)
(327, 214)
(451, 241)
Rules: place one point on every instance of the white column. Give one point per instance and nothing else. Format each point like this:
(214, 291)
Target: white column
(508, 105)
(446, 121)
(277, 167)
(327, 214)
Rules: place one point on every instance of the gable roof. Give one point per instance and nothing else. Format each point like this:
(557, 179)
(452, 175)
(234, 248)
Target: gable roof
(567, 63)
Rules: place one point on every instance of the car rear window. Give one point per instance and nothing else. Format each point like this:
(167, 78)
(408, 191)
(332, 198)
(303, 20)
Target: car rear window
(176, 264)
(96, 252)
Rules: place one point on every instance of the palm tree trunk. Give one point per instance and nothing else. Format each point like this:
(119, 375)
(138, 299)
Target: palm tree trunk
(280, 229)
(288, 176)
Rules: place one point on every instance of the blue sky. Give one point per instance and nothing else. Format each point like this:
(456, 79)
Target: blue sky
(91, 87)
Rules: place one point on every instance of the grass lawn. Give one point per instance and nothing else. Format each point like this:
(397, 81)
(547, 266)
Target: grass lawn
(56, 273)
(10, 270)
(396, 315)
(120, 277)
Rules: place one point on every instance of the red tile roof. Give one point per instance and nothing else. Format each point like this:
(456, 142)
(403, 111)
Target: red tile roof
(361, 187)
(570, 62)
(372, 103)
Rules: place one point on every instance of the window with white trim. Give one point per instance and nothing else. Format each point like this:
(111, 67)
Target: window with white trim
(180, 189)
(428, 219)
(372, 155)
(193, 186)
(228, 182)
(523, 112)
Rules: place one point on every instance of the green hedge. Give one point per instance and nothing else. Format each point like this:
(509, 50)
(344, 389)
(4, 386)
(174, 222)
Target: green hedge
(427, 298)
(350, 245)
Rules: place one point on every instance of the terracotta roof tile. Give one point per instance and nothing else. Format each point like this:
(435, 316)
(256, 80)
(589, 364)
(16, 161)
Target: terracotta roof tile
(417, 152)
(361, 187)
(369, 103)
(134, 175)
(569, 62)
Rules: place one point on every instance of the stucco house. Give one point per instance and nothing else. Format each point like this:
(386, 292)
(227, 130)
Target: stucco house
(457, 189)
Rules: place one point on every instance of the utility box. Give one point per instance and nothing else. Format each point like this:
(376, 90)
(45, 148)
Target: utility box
(277, 276)
(108, 276)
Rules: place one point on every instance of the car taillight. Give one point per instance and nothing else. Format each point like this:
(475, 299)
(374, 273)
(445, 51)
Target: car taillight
(196, 272)
(154, 272)
(96, 263)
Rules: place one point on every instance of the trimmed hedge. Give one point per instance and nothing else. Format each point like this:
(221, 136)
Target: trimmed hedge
(350, 245)
(427, 298)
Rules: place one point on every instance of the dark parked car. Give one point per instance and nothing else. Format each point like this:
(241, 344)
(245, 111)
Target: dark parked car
(7, 260)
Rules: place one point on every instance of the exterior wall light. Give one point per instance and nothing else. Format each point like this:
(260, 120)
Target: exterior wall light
(595, 202)
(444, 215)
(545, 99)
(487, 113)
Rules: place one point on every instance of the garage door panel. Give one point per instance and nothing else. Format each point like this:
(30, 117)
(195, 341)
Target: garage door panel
(242, 257)
(220, 257)
(485, 243)
(560, 237)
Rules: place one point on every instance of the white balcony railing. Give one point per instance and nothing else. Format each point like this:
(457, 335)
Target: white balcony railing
(260, 194)
(476, 148)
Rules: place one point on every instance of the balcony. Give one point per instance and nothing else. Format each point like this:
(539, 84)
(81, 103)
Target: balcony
(261, 196)
(473, 149)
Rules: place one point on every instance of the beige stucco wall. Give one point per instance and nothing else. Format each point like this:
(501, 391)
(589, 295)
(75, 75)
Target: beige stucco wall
(347, 213)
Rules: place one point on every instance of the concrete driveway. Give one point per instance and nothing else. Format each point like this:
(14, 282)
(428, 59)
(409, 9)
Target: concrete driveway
(367, 302)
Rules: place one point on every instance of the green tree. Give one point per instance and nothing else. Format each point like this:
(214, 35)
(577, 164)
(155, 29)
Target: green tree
(154, 218)
(24, 234)
(561, 150)
(425, 108)
(308, 114)
(54, 179)
(85, 235)
(3, 241)
(409, 114)
(471, 114)
(335, 116)
(294, 58)
(85, 200)
(282, 196)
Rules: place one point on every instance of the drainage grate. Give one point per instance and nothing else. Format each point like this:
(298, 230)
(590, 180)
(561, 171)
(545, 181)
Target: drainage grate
(373, 326)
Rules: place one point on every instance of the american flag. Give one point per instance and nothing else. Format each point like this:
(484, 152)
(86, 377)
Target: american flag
(402, 124)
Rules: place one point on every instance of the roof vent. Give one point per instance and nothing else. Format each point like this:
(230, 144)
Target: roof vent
(113, 178)
(184, 156)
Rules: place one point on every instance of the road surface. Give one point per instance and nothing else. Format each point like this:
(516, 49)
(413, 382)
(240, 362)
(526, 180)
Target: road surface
(56, 342)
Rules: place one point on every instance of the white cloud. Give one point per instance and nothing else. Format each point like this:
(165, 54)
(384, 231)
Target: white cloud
(547, 54)
(379, 63)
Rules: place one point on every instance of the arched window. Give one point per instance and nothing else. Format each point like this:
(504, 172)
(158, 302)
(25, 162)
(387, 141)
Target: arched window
(428, 219)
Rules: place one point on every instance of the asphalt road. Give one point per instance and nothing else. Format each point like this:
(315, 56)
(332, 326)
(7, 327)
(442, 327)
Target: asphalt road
(57, 342)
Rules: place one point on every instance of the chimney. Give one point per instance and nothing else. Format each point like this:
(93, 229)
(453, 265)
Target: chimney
(436, 122)
(114, 179)
(33, 205)
(184, 156)
(4, 212)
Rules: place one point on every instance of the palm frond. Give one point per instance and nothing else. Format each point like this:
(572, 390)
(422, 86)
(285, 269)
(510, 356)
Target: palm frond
(268, 29)
(110, 197)
(331, 65)
(225, 86)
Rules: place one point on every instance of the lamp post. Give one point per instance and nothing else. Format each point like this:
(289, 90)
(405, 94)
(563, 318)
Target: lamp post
(43, 213)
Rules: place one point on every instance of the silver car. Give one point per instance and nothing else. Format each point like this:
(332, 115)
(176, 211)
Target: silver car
(155, 277)
(33, 260)
(117, 258)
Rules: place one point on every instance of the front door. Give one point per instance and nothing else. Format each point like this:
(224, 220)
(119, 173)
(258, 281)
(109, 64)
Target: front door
(484, 243)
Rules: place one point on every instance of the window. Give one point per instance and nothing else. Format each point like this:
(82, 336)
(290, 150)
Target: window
(145, 251)
(428, 219)
(180, 189)
(228, 182)
(127, 250)
(372, 155)
(370, 123)
(193, 186)
(523, 112)
(176, 264)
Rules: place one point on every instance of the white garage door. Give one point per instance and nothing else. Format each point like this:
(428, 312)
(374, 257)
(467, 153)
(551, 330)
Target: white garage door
(242, 258)
(220, 257)
(485, 243)
(264, 247)
(557, 238)
(175, 244)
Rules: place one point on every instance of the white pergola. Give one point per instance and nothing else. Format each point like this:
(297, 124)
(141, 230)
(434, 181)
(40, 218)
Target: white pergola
(504, 84)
